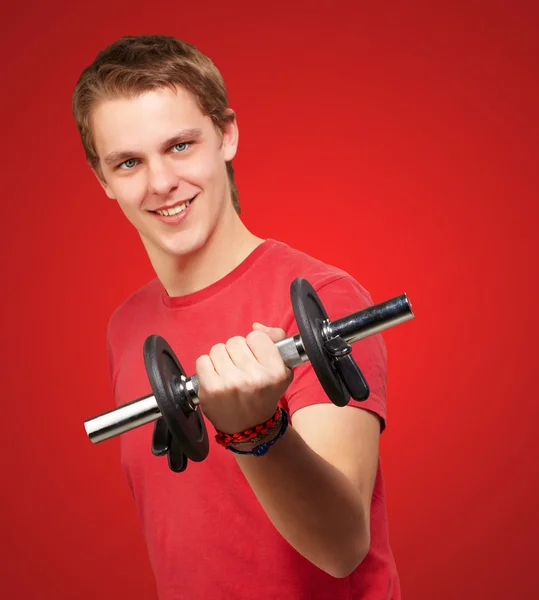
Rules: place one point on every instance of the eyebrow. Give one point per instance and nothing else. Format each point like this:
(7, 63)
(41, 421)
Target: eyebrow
(187, 135)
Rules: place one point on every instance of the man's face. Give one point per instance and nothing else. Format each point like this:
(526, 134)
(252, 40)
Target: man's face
(164, 163)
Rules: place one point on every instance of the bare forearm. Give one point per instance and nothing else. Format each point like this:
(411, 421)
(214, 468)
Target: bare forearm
(311, 503)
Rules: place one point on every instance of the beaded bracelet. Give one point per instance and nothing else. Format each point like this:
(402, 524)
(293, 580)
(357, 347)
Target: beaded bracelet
(264, 447)
(249, 434)
(254, 434)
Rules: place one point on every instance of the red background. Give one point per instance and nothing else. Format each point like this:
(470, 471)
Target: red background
(395, 140)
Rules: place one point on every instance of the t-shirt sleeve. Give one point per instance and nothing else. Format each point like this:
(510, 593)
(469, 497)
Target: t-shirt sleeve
(343, 296)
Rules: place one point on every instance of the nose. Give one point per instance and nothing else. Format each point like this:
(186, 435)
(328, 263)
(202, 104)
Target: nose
(162, 178)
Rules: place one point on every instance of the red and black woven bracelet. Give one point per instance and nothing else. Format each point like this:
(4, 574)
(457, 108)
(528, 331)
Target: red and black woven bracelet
(249, 434)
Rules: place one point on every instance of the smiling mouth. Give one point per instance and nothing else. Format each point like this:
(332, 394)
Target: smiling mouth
(174, 210)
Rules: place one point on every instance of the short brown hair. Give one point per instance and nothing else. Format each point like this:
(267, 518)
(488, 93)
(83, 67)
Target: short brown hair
(136, 64)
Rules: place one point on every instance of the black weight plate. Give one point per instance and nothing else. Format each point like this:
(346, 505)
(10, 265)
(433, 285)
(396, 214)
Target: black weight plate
(161, 438)
(177, 461)
(310, 316)
(165, 372)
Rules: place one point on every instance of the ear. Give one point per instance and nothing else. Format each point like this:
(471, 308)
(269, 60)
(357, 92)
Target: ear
(230, 136)
(102, 182)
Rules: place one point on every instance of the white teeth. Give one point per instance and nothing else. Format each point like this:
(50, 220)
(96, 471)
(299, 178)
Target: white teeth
(174, 210)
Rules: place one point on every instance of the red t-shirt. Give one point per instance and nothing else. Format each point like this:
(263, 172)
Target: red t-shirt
(208, 537)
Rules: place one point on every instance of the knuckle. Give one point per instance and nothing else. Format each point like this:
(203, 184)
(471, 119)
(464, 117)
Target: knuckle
(201, 361)
(231, 387)
(278, 377)
(256, 338)
(280, 374)
(259, 380)
(217, 349)
(235, 341)
(254, 335)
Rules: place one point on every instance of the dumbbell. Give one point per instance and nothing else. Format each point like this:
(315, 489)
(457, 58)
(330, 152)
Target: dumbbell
(174, 402)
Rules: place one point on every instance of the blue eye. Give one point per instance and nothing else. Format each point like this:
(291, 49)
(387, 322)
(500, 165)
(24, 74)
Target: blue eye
(183, 144)
(132, 162)
(129, 164)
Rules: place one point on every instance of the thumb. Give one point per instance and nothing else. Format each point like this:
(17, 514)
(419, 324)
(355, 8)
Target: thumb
(275, 333)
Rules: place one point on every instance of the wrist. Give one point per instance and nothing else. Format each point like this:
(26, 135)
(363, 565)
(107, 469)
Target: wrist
(251, 434)
(256, 441)
(250, 444)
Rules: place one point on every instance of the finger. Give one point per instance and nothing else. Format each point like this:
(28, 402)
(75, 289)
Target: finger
(222, 363)
(208, 379)
(276, 334)
(241, 355)
(265, 351)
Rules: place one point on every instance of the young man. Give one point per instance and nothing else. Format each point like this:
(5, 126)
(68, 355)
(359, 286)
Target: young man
(307, 520)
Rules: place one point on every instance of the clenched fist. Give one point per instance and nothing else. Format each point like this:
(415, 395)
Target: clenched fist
(241, 382)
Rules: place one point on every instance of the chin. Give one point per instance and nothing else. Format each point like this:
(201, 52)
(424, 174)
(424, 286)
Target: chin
(188, 243)
(191, 238)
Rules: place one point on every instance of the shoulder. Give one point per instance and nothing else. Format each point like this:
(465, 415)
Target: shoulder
(333, 284)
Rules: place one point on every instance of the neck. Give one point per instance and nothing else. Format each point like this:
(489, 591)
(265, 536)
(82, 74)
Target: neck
(221, 253)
